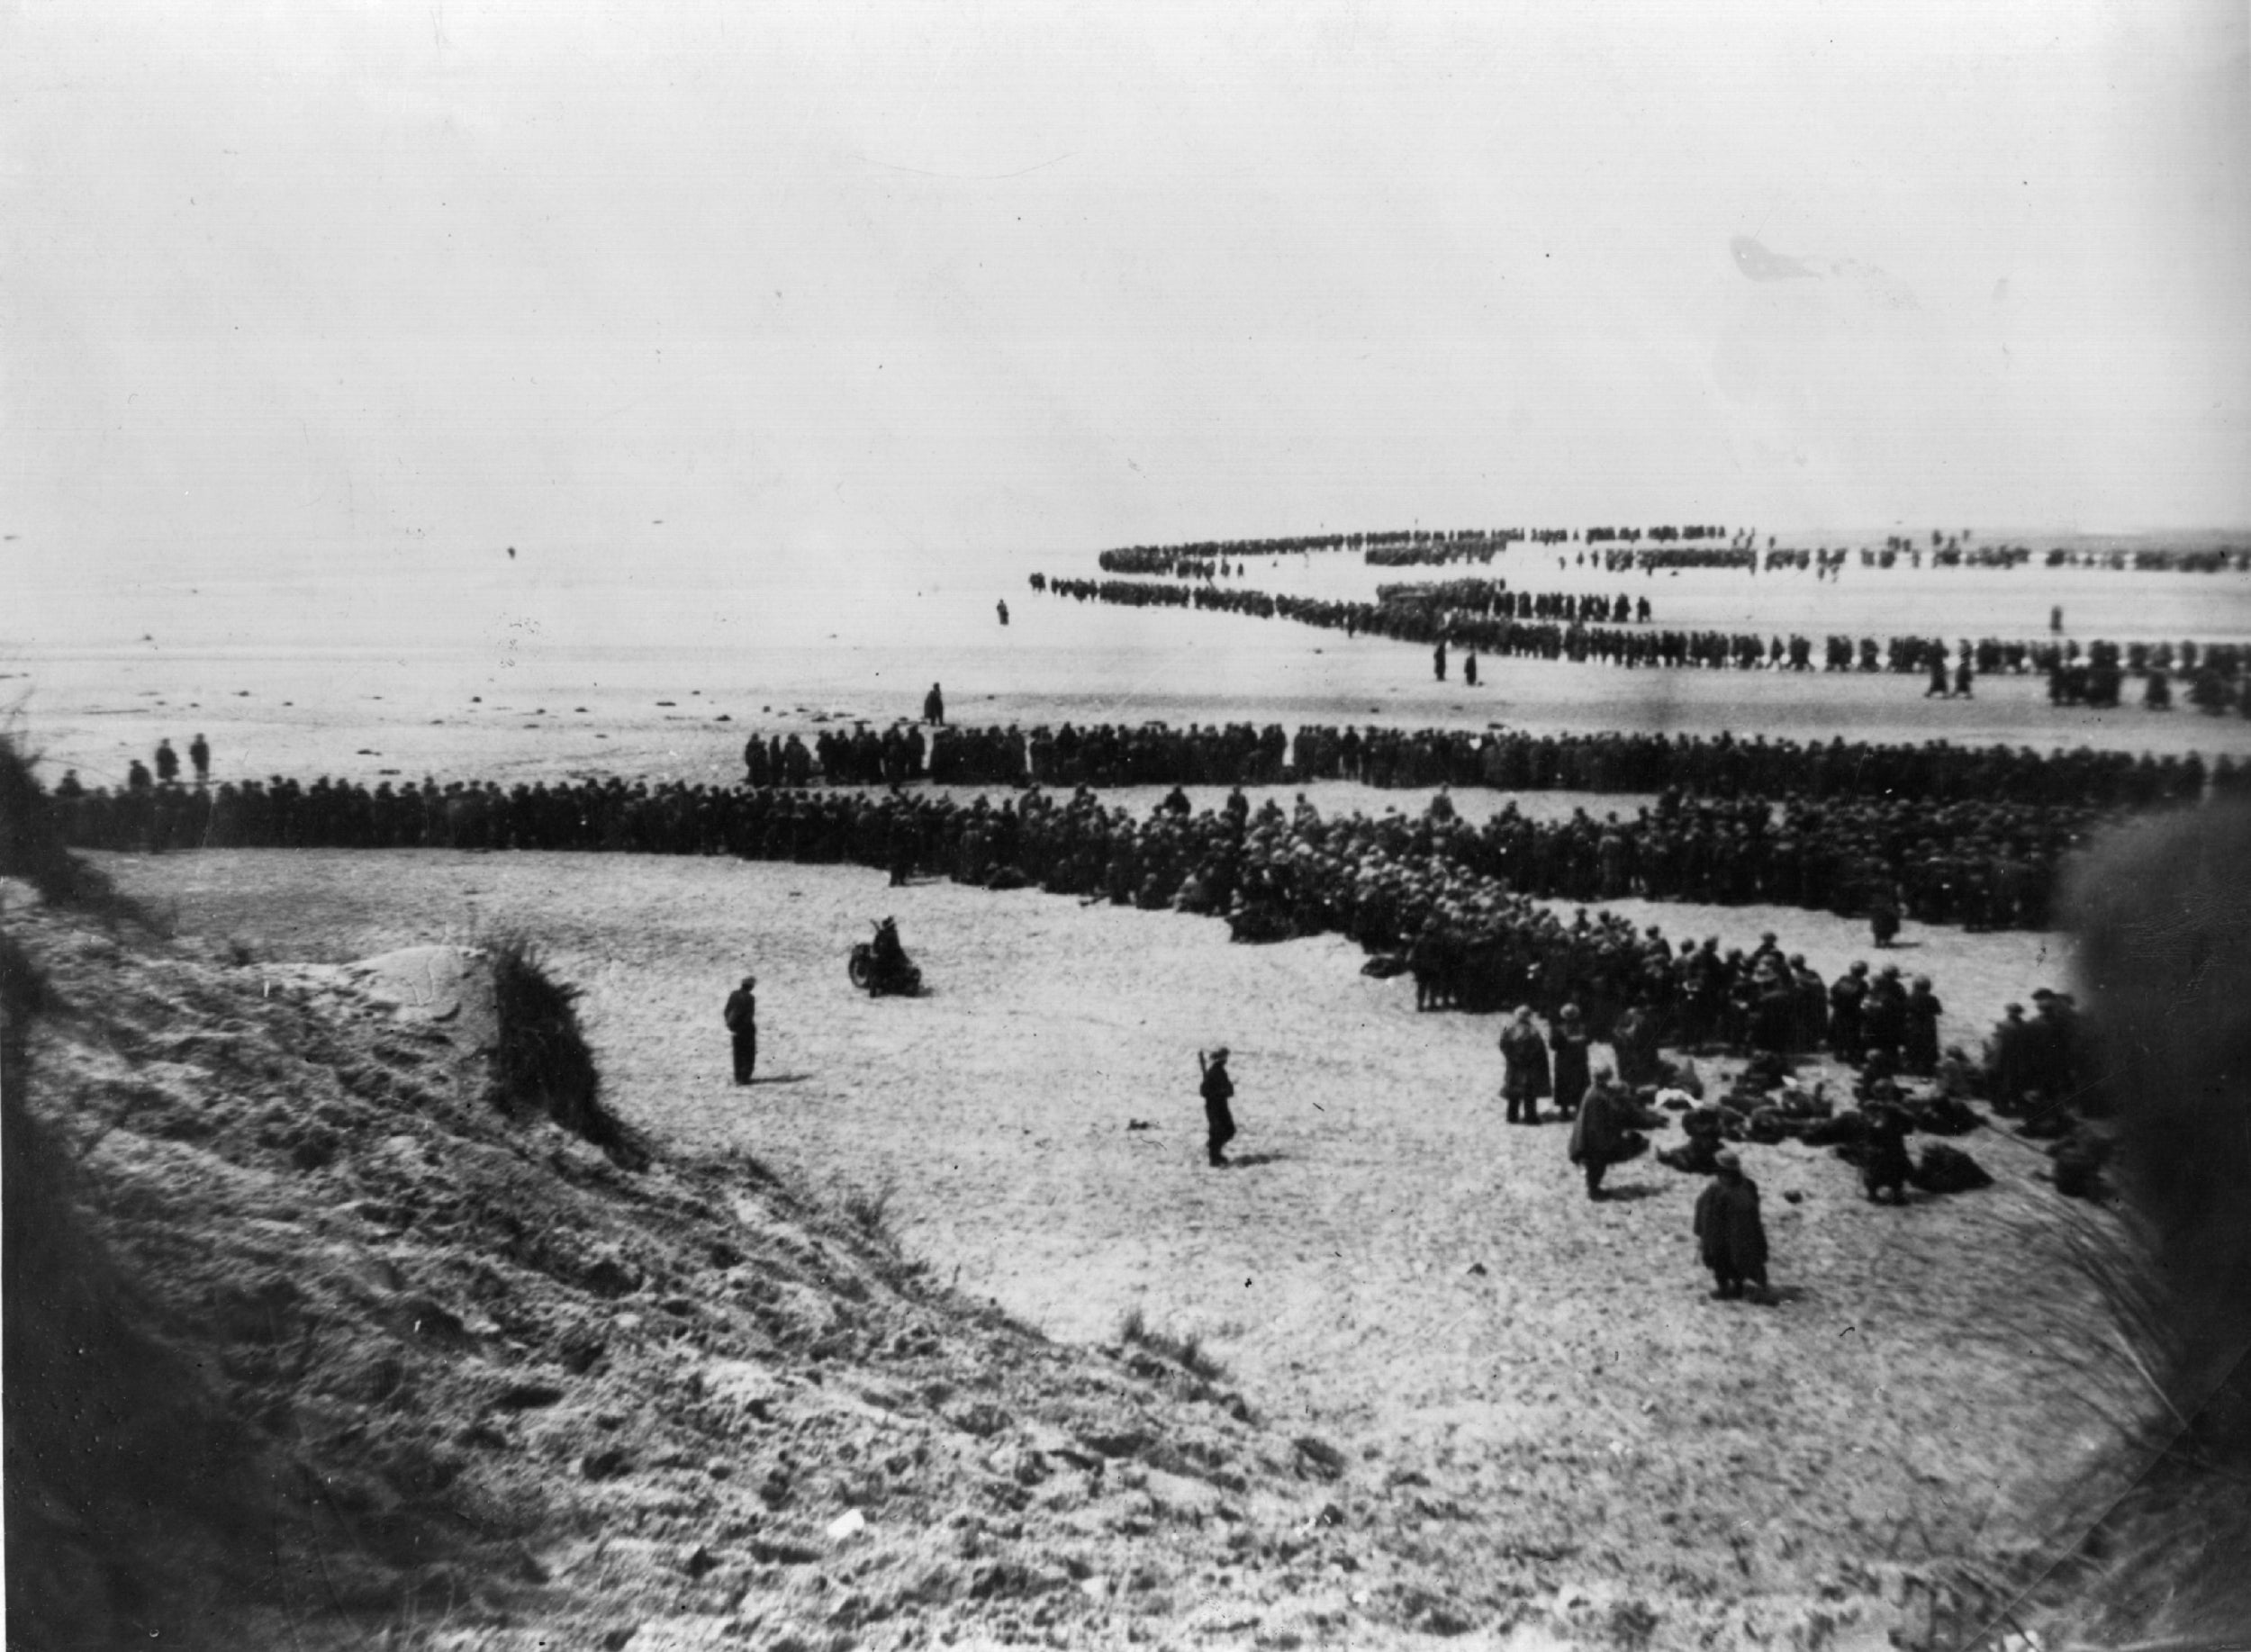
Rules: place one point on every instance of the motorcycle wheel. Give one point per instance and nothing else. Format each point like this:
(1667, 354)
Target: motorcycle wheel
(858, 967)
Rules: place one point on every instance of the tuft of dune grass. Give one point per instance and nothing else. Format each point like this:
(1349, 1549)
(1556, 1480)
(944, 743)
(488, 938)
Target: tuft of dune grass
(541, 1062)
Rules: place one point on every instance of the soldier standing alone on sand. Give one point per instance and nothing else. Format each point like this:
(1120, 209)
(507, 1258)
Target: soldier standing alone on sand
(1218, 1090)
(1527, 1079)
(1570, 1043)
(1438, 660)
(1729, 1232)
(742, 1028)
(199, 754)
(168, 762)
(934, 706)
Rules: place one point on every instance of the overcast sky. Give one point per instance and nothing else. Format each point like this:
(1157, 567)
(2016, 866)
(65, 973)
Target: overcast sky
(391, 285)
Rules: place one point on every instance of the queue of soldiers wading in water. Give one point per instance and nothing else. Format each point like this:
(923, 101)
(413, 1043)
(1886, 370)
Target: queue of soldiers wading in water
(1470, 616)
(1458, 907)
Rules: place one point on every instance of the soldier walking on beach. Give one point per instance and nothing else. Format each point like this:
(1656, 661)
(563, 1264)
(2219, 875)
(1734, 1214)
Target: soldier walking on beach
(1218, 1091)
(934, 706)
(742, 1026)
(199, 754)
(1730, 1234)
(168, 762)
(1003, 609)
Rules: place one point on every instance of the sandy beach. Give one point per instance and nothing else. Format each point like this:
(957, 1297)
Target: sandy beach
(1389, 1265)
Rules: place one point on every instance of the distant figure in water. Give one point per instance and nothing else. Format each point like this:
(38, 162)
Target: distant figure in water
(2056, 619)
(742, 1028)
(1218, 1091)
(1003, 608)
(934, 706)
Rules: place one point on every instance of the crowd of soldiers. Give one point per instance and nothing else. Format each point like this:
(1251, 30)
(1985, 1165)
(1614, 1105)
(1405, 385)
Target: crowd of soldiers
(1160, 560)
(1650, 558)
(858, 756)
(1977, 862)
(2178, 559)
(1432, 554)
(1493, 599)
(1973, 860)
(1983, 865)
(1388, 547)
(1388, 882)
(1906, 793)
(1105, 754)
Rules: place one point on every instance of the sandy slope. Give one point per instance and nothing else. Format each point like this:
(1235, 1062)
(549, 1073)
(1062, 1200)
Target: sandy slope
(1581, 1410)
(480, 1389)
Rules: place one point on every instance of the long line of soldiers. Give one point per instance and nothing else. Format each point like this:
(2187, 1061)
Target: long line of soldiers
(1982, 863)
(2219, 673)
(2050, 798)
(1153, 753)
(1427, 623)
(1622, 549)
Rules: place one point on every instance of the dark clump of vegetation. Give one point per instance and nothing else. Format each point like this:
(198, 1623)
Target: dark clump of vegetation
(869, 1211)
(131, 1505)
(2164, 918)
(540, 1059)
(31, 845)
(1186, 1351)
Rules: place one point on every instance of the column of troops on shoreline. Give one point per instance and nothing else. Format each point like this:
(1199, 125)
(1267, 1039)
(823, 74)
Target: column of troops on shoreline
(1483, 615)
(1920, 832)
